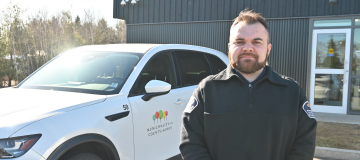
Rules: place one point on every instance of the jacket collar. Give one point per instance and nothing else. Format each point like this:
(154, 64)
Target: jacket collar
(270, 74)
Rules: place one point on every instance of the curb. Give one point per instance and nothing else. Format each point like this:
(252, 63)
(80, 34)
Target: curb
(337, 153)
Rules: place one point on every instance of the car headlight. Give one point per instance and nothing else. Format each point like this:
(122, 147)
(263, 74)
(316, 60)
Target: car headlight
(17, 146)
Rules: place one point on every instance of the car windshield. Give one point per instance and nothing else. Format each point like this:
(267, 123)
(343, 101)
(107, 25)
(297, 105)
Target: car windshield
(86, 72)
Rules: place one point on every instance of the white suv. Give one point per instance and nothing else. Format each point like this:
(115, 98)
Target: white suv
(106, 102)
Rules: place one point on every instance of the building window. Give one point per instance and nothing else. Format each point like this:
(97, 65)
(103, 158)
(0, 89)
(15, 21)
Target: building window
(355, 98)
(357, 21)
(356, 53)
(332, 23)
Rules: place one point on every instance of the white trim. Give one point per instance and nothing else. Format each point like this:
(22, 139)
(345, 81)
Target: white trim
(330, 109)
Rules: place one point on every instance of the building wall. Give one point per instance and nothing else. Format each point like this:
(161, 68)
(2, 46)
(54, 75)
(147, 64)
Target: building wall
(289, 37)
(158, 11)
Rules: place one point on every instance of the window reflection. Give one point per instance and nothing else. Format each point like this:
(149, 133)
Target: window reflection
(328, 89)
(357, 21)
(356, 53)
(332, 23)
(355, 92)
(330, 51)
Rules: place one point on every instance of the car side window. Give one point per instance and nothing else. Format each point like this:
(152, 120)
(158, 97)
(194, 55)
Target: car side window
(193, 67)
(160, 67)
(219, 65)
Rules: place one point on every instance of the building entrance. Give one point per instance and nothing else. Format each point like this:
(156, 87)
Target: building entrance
(330, 70)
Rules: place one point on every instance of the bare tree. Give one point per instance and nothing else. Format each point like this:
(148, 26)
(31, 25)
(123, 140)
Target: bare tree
(88, 22)
(25, 45)
(121, 31)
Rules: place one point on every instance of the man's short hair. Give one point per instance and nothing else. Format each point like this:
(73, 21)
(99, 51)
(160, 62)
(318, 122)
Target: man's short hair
(251, 17)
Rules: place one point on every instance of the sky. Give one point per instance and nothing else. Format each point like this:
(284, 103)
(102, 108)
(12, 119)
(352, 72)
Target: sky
(101, 8)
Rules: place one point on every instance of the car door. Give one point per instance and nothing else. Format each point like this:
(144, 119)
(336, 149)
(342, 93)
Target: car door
(157, 121)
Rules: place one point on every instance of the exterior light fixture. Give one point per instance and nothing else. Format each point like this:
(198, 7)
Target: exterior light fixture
(123, 2)
(332, 1)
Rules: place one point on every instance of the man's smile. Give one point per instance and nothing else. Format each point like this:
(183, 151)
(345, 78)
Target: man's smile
(248, 56)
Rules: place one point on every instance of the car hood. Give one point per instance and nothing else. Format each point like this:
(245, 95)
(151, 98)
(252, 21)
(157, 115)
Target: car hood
(21, 107)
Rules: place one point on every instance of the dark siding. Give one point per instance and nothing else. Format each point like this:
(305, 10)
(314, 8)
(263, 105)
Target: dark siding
(190, 9)
(196, 10)
(162, 12)
(304, 8)
(172, 11)
(247, 4)
(289, 38)
(130, 14)
(146, 12)
(273, 11)
(210, 34)
(207, 6)
(202, 6)
(184, 9)
(136, 13)
(313, 8)
(290, 48)
(261, 5)
(140, 12)
(214, 11)
(178, 11)
(234, 11)
(157, 11)
(151, 11)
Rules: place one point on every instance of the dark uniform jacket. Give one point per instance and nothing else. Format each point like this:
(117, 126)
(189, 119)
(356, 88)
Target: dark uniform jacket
(228, 119)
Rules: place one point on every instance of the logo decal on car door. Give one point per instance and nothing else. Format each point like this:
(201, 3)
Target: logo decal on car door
(165, 126)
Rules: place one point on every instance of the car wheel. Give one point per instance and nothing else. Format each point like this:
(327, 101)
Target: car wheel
(81, 156)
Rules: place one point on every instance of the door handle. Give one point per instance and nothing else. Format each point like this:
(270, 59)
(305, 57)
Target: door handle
(345, 76)
(179, 101)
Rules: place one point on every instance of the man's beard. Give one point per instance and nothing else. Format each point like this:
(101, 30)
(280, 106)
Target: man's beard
(248, 66)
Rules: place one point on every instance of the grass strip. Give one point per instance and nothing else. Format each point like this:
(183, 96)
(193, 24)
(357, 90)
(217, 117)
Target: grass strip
(338, 135)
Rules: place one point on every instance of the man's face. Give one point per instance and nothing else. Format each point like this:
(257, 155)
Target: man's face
(248, 47)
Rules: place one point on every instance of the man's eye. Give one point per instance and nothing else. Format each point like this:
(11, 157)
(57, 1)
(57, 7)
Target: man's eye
(256, 42)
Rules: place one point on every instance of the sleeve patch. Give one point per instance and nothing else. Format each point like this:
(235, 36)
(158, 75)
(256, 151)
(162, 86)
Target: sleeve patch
(307, 109)
(193, 102)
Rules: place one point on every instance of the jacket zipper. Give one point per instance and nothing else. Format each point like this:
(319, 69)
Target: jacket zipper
(250, 96)
(250, 91)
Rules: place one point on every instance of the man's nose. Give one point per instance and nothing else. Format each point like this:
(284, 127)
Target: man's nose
(248, 47)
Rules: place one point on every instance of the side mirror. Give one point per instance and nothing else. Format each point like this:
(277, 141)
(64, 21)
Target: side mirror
(156, 88)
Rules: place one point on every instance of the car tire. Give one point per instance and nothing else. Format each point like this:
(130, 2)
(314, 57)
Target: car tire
(81, 156)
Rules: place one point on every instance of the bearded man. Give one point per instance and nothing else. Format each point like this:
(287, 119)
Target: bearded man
(248, 111)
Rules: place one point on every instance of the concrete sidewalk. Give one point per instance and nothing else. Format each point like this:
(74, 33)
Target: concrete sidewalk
(337, 118)
(336, 154)
(324, 153)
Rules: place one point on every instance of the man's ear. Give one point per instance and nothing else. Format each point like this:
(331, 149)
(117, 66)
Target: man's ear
(229, 46)
(269, 48)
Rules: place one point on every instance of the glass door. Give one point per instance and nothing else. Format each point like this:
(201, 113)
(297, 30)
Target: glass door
(330, 70)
